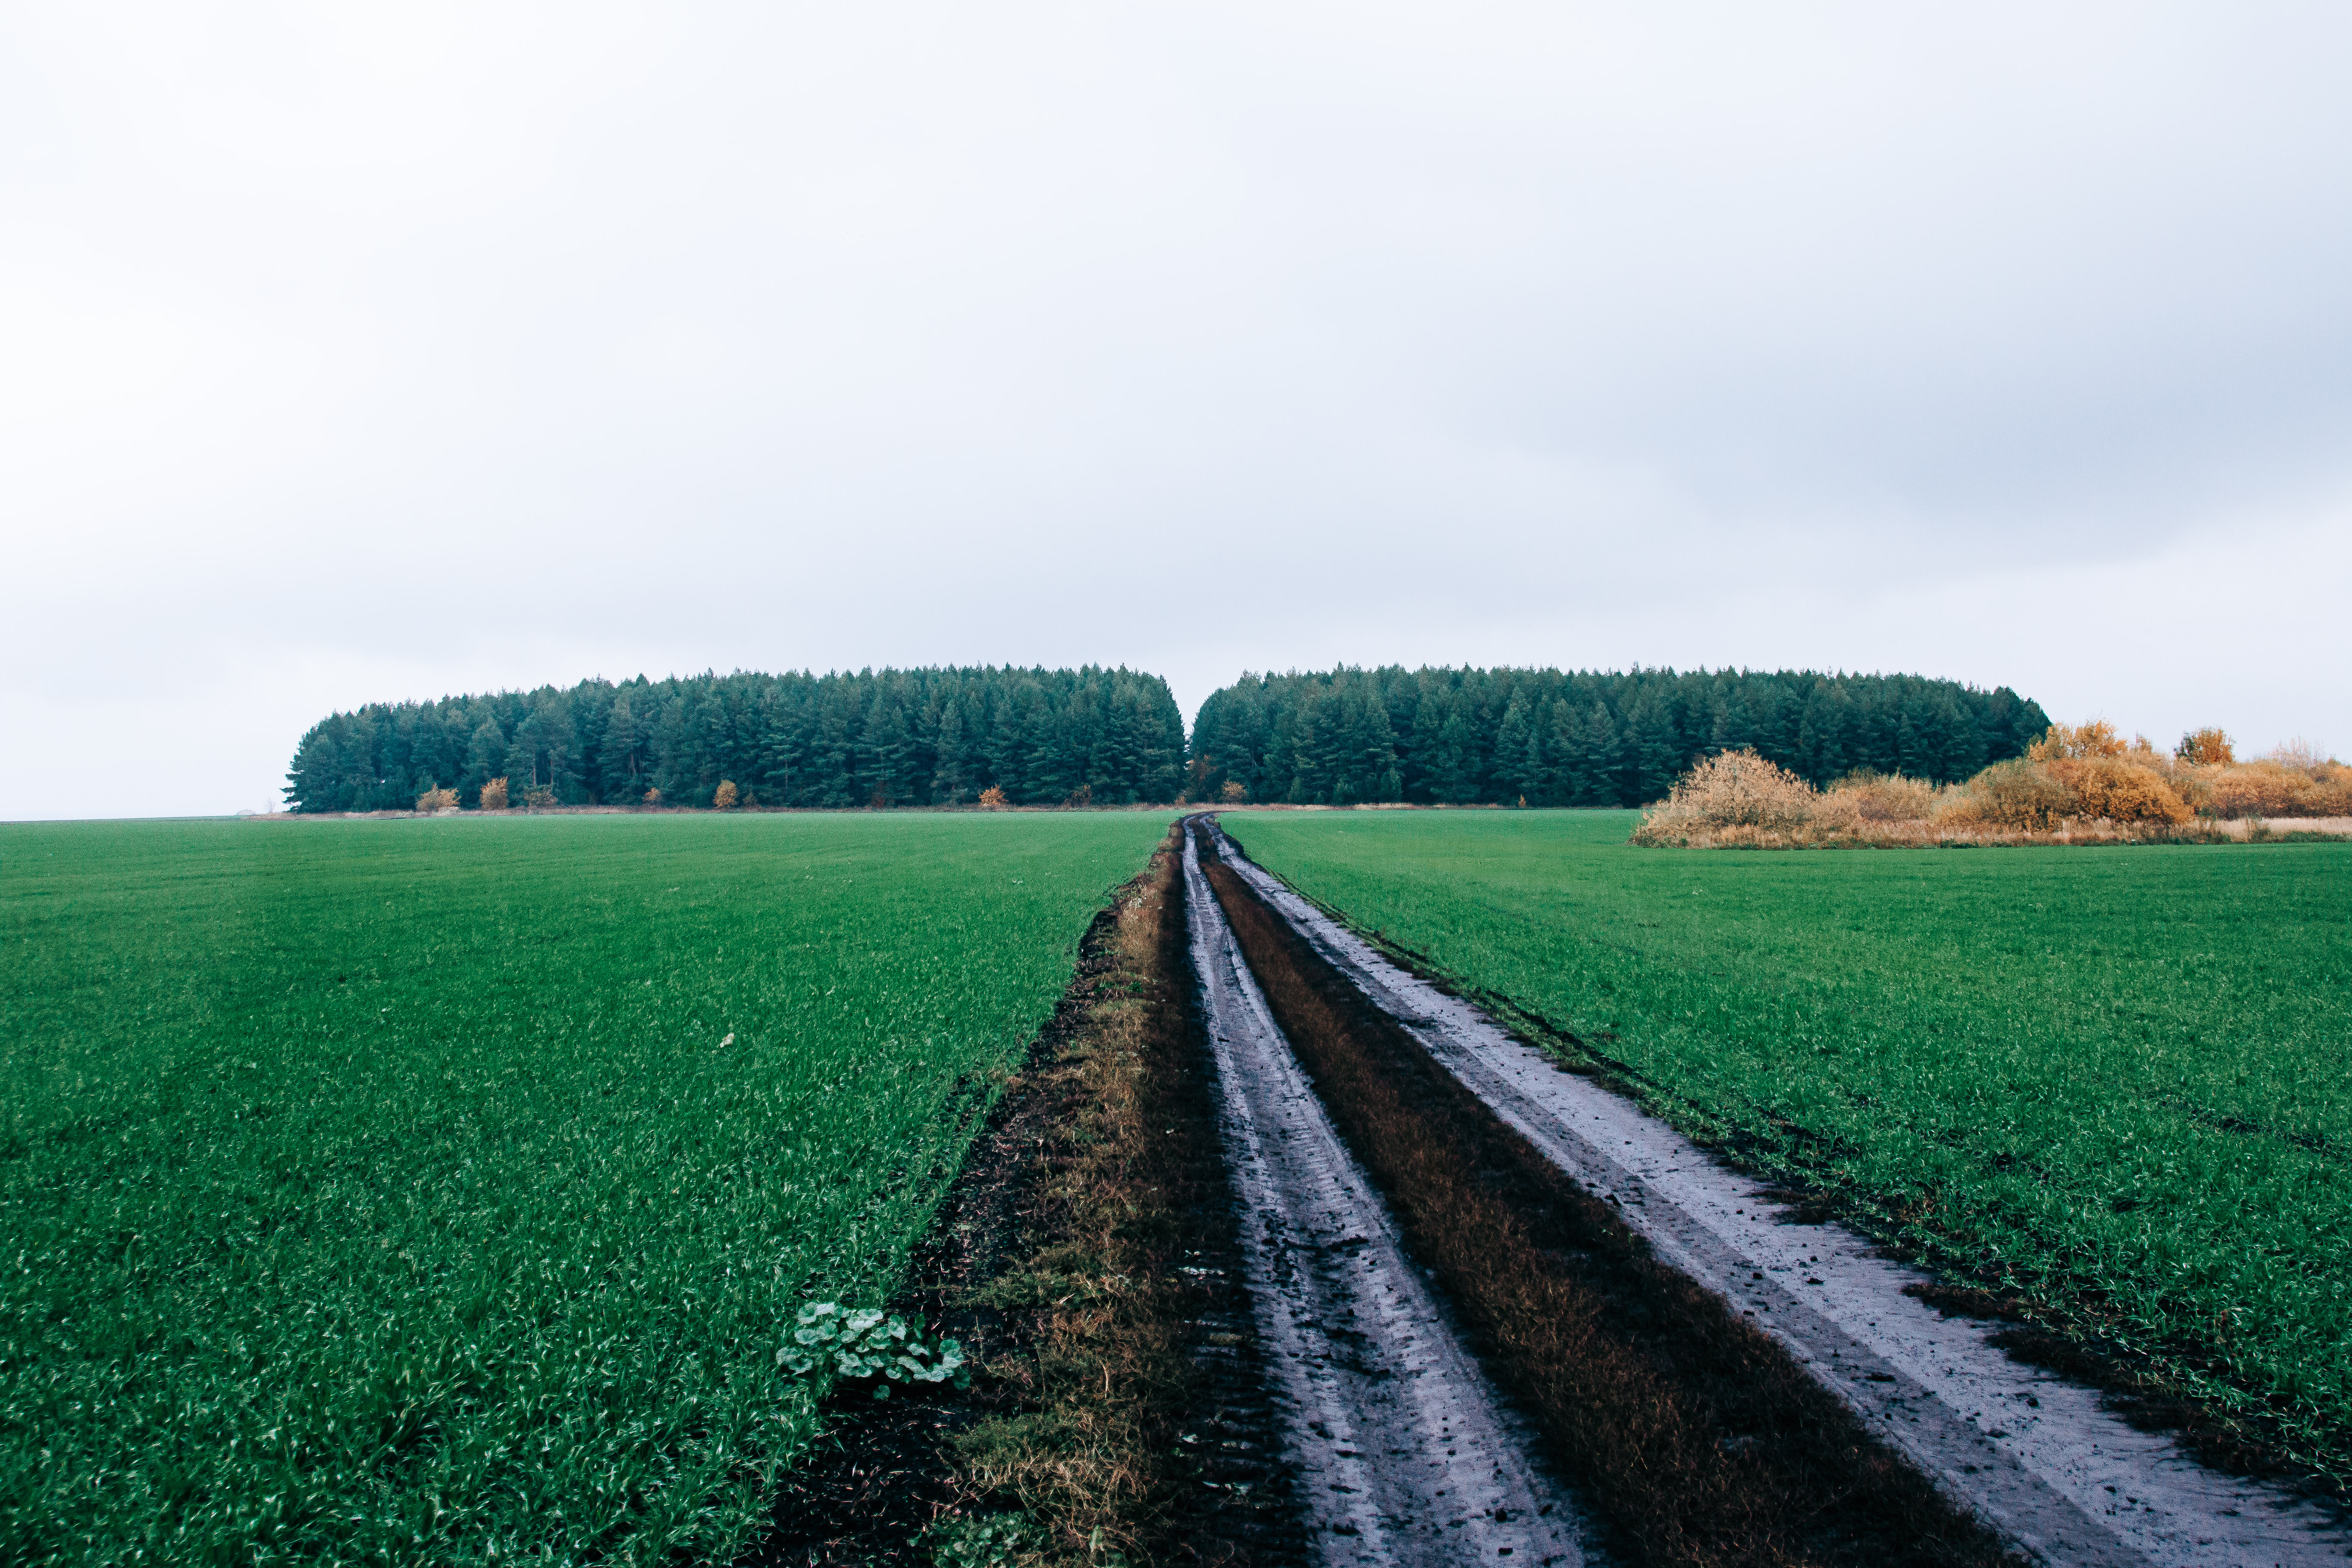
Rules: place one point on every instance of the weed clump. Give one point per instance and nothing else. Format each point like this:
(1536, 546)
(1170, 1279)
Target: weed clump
(832, 1344)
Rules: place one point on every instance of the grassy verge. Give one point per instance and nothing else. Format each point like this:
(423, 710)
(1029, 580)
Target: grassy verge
(1089, 1252)
(1698, 1439)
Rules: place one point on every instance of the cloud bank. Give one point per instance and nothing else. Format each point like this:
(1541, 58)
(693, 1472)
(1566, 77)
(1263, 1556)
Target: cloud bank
(368, 356)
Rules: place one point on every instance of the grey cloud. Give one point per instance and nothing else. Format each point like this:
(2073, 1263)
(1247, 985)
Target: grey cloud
(357, 357)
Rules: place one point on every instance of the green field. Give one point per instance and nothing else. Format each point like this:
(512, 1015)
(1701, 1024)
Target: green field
(2126, 1072)
(386, 1190)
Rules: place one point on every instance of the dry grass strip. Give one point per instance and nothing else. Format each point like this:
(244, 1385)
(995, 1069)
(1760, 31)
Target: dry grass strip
(1088, 1256)
(1134, 1436)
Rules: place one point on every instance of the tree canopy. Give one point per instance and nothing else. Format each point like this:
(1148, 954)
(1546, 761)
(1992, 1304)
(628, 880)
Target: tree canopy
(1586, 738)
(892, 737)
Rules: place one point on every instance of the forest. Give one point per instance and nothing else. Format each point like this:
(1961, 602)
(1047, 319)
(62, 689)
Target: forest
(1545, 738)
(892, 737)
(1112, 737)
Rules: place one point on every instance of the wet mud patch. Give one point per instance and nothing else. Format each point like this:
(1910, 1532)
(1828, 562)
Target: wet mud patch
(2234, 1442)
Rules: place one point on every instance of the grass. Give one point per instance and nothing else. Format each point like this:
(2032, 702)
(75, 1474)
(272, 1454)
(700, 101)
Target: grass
(391, 1192)
(2113, 1080)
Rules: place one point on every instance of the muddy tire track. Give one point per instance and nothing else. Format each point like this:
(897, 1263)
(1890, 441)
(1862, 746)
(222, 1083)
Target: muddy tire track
(1401, 1450)
(2035, 1456)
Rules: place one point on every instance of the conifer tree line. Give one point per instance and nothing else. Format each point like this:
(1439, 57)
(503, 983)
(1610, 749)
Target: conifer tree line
(1470, 736)
(892, 737)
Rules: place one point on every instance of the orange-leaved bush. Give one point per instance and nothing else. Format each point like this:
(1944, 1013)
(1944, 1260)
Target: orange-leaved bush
(435, 799)
(724, 797)
(2019, 795)
(2096, 739)
(2205, 747)
(2119, 790)
(494, 795)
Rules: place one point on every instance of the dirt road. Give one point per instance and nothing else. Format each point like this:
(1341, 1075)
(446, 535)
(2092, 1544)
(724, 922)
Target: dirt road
(2035, 1458)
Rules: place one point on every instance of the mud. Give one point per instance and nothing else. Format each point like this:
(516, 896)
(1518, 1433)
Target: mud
(1401, 1450)
(2036, 1457)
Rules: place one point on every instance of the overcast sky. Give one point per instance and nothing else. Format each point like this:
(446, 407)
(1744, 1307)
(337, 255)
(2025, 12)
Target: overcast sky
(353, 353)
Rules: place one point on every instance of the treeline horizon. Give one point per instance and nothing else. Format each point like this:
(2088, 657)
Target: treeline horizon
(937, 736)
(944, 736)
(1545, 737)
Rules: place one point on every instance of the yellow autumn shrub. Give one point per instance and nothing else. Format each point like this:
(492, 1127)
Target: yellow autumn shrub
(2206, 748)
(2268, 788)
(2020, 794)
(1885, 797)
(2119, 789)
(1733, 789)
(2063, 742)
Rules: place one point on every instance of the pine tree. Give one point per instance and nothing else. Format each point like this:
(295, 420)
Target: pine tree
(486, 759)
(1519, 755)
(1604, 760)
(950, 781)
(882, 754)
(620, 758)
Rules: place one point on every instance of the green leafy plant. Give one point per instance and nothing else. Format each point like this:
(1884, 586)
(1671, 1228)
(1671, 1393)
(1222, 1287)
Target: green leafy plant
(983, 1541)
(833, 1344)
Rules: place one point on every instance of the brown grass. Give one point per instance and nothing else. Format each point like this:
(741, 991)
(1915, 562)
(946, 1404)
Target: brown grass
(2271, 788)
(1696, 1435)
(1119, 1372)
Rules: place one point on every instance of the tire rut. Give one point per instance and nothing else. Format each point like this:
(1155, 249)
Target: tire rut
(1402, 1451)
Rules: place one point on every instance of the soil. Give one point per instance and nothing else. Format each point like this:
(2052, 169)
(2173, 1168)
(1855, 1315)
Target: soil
(2037, 1456)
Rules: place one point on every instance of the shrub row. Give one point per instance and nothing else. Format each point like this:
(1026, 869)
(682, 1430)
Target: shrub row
(2082, 777)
